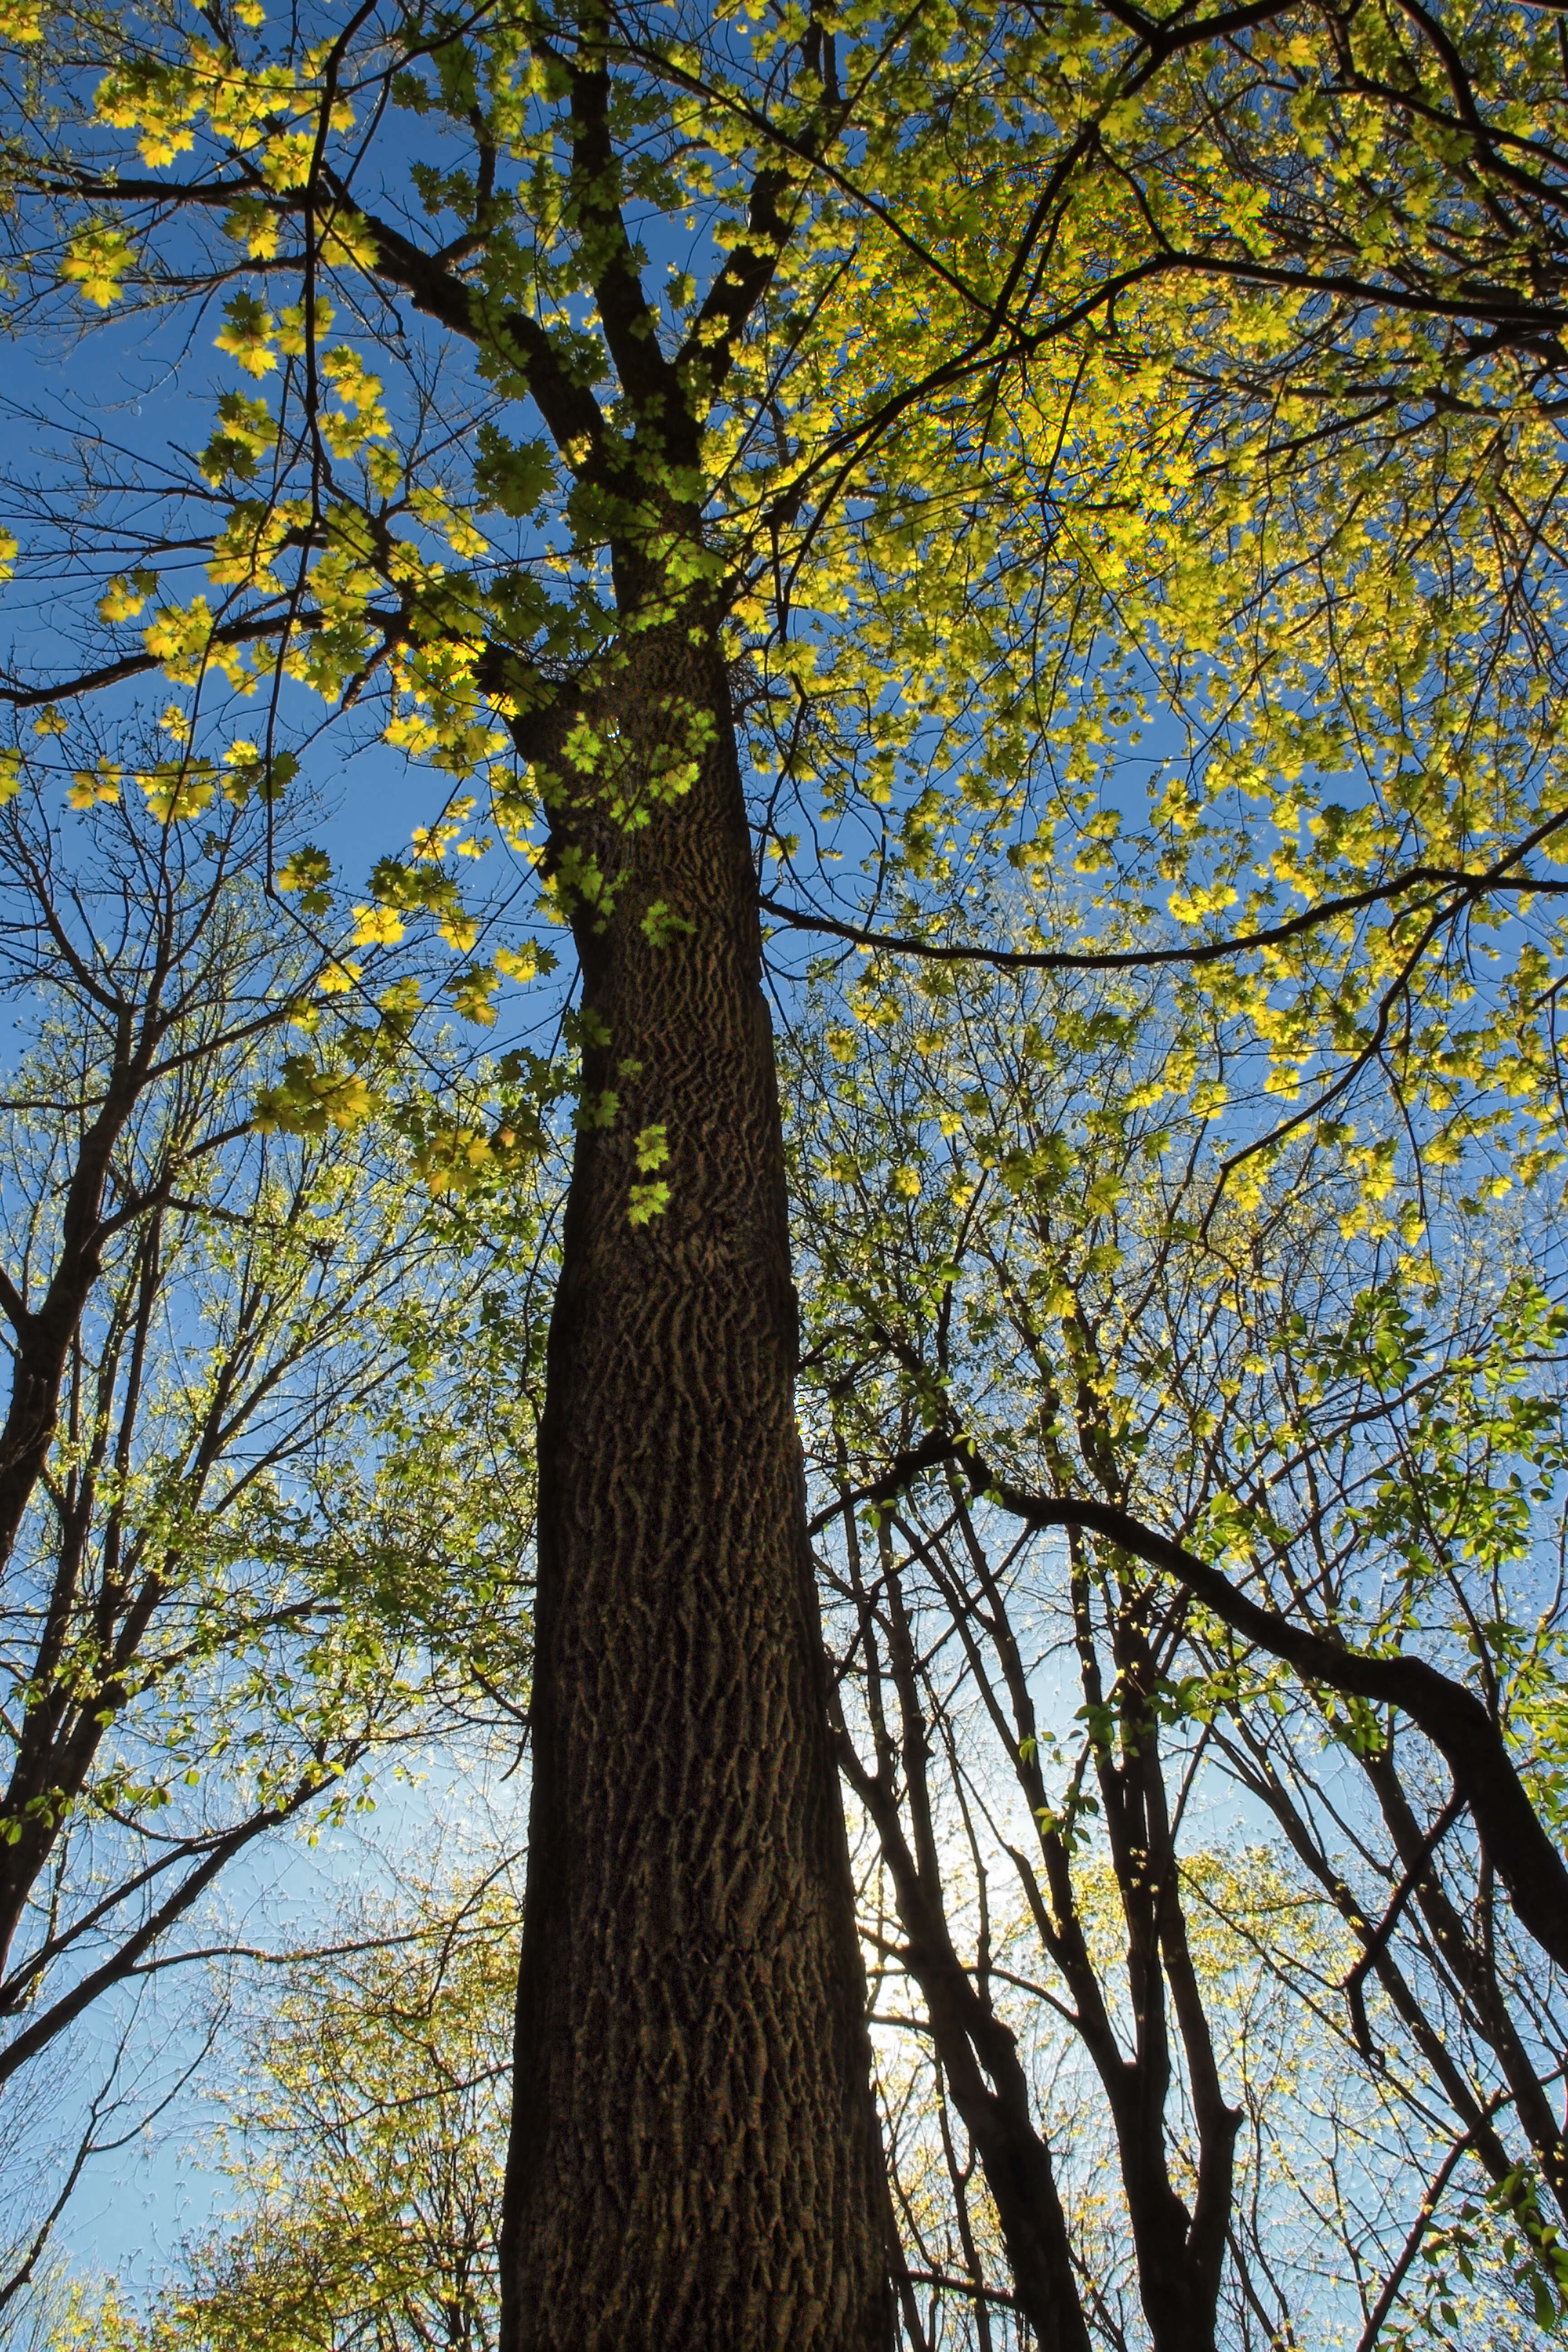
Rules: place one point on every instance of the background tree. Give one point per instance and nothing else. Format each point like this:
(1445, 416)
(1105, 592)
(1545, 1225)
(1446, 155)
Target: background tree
(259, 1530)
(996, 1217)
(1042, 1883)
(369, 2132)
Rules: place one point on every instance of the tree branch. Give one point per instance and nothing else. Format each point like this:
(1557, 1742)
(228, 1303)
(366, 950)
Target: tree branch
(1448, 1712)
(1468, 886)
(565, 403)
(120, 1964)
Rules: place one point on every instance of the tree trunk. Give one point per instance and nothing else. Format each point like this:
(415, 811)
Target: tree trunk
(694, 2158)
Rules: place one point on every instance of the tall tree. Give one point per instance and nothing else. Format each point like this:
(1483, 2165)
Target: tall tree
(722, 487)
(694, 2153)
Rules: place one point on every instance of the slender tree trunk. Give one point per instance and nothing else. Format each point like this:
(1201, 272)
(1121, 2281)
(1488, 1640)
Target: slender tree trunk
(694, 2158)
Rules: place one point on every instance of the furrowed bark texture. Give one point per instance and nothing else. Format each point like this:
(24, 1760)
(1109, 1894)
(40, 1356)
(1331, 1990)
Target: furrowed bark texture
(694, 2158)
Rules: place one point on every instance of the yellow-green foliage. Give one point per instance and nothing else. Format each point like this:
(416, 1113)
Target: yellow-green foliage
(369, 2140)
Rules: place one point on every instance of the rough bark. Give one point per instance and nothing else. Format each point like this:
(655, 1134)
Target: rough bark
(694, 2159)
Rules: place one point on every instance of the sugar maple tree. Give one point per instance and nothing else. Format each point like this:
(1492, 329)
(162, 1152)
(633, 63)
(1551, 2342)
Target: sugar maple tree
(603, 387)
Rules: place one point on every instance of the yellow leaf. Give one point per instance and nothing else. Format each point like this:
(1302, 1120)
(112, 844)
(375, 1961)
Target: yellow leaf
(377, 926)
(121, 601)
(90, 785)
(458, 929)
(647, 1202)
(96, 260)
(347, 237)
(523, 964)
(310, 871)
(255, 225)
(247, 334)
(177, 791)
(286, 159)
(472, 994)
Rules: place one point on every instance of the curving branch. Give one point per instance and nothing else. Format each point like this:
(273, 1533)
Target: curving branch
(1468, 887)
(1449, 1714)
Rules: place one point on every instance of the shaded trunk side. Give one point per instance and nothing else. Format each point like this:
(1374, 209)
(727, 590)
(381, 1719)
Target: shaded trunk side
(694, 2158)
